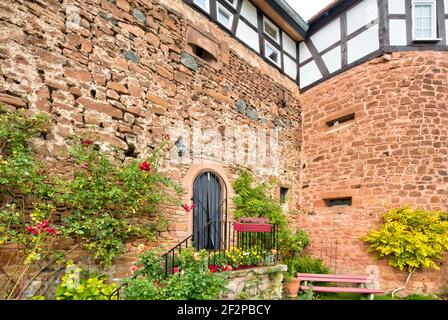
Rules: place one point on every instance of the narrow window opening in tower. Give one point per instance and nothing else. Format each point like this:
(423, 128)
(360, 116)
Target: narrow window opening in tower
(283, 195)
(341, 120)
(339, 202)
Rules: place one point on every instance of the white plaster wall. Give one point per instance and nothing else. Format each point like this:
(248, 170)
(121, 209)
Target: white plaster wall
(363, 44)
(309, 74)
(397, 32)
(361, 14)
(289, 45)
(446, 6)
(304, 52)
(333, 60)
(249, 12)
(248, 35)
(290, 67)
(327, 36)
(398, 6)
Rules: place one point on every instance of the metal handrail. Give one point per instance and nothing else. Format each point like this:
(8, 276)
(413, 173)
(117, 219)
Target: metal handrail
(190, 238)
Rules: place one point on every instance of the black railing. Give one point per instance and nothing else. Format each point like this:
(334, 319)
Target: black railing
(227, 237)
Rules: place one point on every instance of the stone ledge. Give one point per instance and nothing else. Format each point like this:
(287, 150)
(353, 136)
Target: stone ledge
(255, 284)
(257, 271)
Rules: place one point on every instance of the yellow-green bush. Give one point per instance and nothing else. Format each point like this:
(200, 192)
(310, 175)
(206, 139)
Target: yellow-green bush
(411, 238)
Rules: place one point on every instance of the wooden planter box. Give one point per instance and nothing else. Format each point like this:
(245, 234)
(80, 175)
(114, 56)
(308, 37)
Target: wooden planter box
(252, 227)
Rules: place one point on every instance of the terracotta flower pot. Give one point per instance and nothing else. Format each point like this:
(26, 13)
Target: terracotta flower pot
(292, 287)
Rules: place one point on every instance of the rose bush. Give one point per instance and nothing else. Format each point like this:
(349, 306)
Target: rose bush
(105, 196)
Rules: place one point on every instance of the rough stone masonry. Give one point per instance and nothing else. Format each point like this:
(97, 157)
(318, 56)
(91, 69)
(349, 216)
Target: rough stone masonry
(122, 72)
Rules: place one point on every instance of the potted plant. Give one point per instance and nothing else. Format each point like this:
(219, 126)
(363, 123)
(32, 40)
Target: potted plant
(292, 283)
(292, 286)
(220, 262)
(253, 224)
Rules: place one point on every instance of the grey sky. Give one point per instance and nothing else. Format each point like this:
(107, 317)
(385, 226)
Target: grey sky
(307, 8)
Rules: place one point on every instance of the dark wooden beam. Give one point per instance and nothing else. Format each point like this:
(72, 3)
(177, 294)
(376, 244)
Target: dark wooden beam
(344, 52)
(236, 18)
(441, 21)
(408, 10)
(317, 58)
(383, 13)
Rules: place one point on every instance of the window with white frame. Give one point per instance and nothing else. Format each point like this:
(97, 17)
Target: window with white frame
(272, 53)
(233, 3)
(271, 29)
(204, 4)
(224, 16)
(424, 20)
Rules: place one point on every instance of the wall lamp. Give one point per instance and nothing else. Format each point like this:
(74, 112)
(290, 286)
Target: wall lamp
(181, 148)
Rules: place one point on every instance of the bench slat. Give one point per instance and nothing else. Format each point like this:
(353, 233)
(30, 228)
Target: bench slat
(332, 276)
(336, 280)
(343, 290)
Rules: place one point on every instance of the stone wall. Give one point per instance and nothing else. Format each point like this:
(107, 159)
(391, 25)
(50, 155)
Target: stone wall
(265, 283)
(123, 73)
(394, 153)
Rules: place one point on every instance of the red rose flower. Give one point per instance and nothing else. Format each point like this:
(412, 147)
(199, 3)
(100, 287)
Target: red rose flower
(145, 166)
(84, 165)
(86, 142)
(50, 230)
(188, 208)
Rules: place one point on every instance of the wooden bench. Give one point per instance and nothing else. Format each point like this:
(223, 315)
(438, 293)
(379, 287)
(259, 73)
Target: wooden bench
(362, 283)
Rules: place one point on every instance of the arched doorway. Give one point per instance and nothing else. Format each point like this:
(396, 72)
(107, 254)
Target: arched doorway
(209, 216)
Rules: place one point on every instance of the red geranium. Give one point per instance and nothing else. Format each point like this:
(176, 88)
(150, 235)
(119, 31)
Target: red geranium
(145, 166)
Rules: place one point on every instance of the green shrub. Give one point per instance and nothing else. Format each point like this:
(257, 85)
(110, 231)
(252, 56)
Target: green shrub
(410, 297)
(22, 180)
(310, 265)
(418, 297)
(411, 239)
(292, 244)
(194, 281)
(253, 200)
(142, 289)
(93, 287)
(305, 264)
(26, 209)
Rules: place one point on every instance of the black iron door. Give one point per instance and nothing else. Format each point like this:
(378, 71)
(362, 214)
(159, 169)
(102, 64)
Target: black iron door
(207, 196)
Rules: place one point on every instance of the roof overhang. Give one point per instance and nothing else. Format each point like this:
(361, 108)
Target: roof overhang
(285, 17)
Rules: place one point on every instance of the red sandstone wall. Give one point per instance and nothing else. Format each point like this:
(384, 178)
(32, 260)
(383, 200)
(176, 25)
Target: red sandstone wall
(119, 76)
(395, 153)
